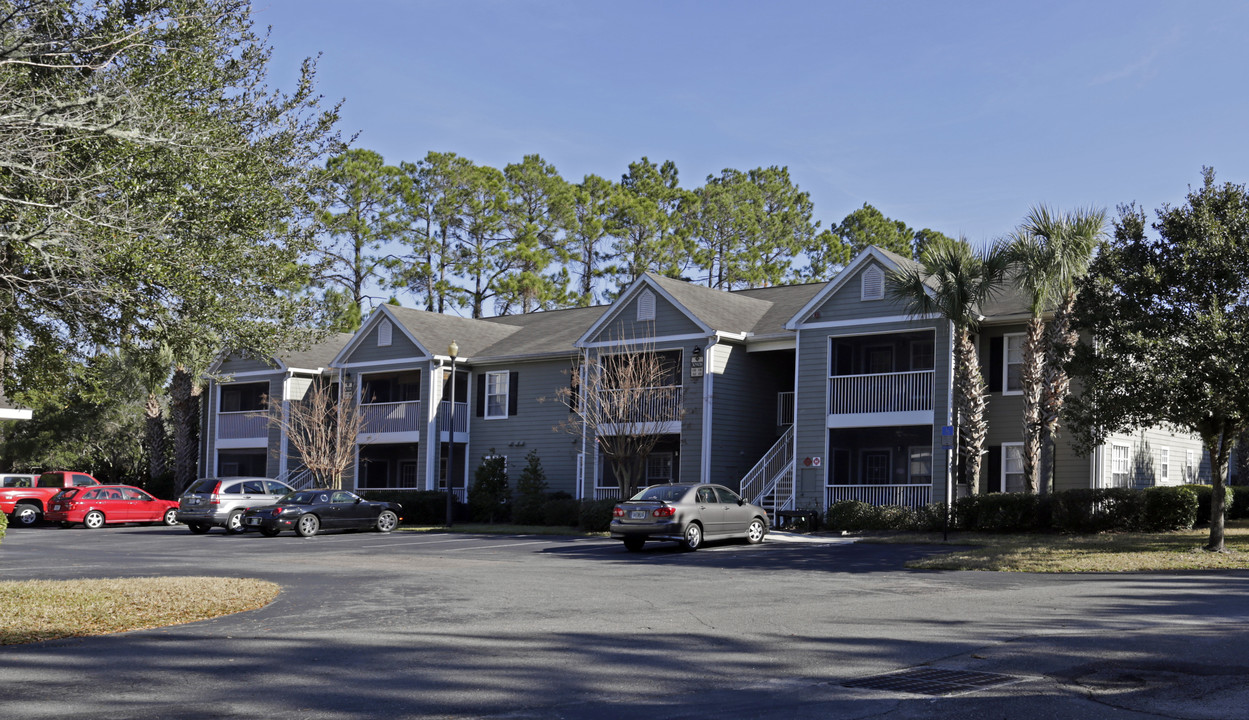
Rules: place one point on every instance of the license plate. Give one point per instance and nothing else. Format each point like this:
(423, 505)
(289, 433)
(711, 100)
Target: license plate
(637, 514)
(56, 507)
(252, 521)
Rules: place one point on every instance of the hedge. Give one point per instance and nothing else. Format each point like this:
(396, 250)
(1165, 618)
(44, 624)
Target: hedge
(420, 507)
(1159, 509)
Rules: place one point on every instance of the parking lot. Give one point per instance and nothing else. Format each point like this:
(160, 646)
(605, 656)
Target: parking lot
(450, 625)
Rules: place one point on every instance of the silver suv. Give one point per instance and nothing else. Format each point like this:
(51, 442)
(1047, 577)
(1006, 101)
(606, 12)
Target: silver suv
(221, 501)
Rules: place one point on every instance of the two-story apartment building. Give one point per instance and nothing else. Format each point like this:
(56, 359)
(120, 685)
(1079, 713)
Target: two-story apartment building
(802, 394)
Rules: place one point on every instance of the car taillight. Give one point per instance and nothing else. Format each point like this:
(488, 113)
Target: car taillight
(665, 511)
(277, 511)
(618, 511)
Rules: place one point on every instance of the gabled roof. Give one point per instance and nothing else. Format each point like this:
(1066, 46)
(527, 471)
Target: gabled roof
(890, 260)
(717, 309)
(650, 280)
(317, 356)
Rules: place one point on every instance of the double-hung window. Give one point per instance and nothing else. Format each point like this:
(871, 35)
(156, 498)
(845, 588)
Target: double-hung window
(1012, 467)
(1119, 465)
(1164, 466)
(1013, 362)
(496, 394)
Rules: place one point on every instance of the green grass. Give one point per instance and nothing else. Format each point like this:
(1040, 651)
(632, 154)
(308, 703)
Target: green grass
(1106, 552)
(37, 610)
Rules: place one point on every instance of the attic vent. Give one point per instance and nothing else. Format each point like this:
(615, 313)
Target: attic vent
(383, 333)
(873, 280)
(646, 305)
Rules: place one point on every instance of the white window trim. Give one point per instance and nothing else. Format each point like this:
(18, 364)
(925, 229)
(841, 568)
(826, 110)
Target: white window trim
(1006, 363)
(910, 450)
(646, 305)
(1190, 468)
(1164, 464)
(1003, 473)
(506, 395)
(1127, 471)
(385, 331)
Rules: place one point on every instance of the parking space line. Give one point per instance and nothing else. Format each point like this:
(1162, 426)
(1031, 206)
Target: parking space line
(405, 541)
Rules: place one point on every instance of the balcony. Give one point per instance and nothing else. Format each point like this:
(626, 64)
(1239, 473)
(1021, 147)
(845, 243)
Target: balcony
(244, 425)
(461, 416)
(879, 400)
(912, 496)
(393, 417)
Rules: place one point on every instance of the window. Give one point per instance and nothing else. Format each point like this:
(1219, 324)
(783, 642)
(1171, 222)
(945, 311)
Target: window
(496, 394)
(646, 305)
(391, 387)
(384, 330)
(1164, 465)
(873, 284)
(243, 397)
(1190, 470)
(659, 467)
(920, 465)
(1119, 465)
(876, 467)
(1013, 380)
(1012, 467)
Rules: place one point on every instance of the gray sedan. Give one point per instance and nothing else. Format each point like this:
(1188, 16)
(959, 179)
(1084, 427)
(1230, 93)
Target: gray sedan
(688, 513)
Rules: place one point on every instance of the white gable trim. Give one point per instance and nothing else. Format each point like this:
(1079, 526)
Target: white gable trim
(843, 277)
(625, 298)
(383, 311)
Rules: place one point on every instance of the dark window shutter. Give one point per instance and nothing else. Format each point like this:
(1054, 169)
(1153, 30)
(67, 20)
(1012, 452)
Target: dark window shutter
(995, 365)
(512, 391)
(481, 395)
(995, 469)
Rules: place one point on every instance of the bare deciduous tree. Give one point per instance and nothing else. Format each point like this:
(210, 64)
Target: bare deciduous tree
(624, 396)
(322, 428)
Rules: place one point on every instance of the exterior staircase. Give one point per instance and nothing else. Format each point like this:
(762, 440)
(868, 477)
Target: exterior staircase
(770, 483)
(299, 478)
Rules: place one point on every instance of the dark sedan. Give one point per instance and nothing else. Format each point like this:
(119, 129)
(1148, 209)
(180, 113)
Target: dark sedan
(687, 513)
(307, 512)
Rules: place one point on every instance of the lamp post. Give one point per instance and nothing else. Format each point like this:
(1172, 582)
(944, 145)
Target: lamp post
(452, 350)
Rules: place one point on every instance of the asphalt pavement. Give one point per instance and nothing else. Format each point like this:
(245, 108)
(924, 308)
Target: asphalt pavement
(448, 625)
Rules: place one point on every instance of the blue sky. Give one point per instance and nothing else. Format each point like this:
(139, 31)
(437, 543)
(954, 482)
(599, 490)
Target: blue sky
(952, 116)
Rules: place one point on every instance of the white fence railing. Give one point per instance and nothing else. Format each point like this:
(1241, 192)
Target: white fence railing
(761, 479)
(881, 393)
(391, 417)
(611, 493)
(245, 424)
(641, 405)
(784, 408)
(461, 416)
(905, 495)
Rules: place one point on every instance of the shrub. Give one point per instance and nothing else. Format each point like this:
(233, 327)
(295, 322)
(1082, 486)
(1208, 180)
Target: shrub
(531, 488)
(1100, 510)
(1239, 507)
(848, 515)
(1204, 495)
(929, 518)
(420, 507)
(1008, 512)
(489, 496)
(596, 515)
(4, 524)
(1169, 508)
(561, 512)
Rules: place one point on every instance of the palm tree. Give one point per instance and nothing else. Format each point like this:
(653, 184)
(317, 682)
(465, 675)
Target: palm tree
(1048, 253)
(953, 281)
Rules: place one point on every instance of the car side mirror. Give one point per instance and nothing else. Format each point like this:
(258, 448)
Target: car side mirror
(740, 502)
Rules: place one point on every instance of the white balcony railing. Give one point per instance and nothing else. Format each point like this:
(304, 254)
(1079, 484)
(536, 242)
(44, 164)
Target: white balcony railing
(784, 408)
(603, 493)
(642, 405)
(461, 416)
(905, 495)
(393, 417)
(240, 425)
(881, 393)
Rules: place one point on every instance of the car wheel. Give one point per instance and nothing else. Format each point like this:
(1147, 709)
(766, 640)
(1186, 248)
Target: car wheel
(66, 524)
(307, 525)
(171, 517)
(234, 523)
(93, 520)
(633, 544)
(269, 531)
(755, 532)
(387, 521)
(199, 528)
(26, 514)
(692, 538)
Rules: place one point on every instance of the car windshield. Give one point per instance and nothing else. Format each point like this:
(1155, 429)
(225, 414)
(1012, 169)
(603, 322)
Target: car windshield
(66, 494)
(17, 482)
(207, 485)
(663, 493)
(306, 497)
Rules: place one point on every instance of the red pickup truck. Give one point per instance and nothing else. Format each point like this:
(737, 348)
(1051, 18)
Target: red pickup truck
(25, 505)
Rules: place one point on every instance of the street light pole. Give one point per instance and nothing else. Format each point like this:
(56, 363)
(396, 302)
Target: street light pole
(452, 350)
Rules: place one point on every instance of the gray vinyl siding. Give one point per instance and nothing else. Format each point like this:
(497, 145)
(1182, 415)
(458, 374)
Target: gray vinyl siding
(692, 393)
(744, 408)
(234, 364)
(847, 302)
(208, 430)
(535, 426)
(390, 450)
(1144, 456)
(624, 325)
(400, 347)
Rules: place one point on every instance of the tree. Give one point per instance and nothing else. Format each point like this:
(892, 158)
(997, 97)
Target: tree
(927, 236)
(646, 224)
(623, 396)
(867, 226)
(1169, 318)
(587, 233)
(1049, 252)
(489, 495)
(531, 490)
(953, 281)
(538, 207)
(432, 212)
(322, 428)
(482, 256)
(361, 209)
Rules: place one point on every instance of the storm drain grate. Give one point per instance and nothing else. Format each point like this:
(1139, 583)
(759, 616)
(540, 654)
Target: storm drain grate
(933, 681)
